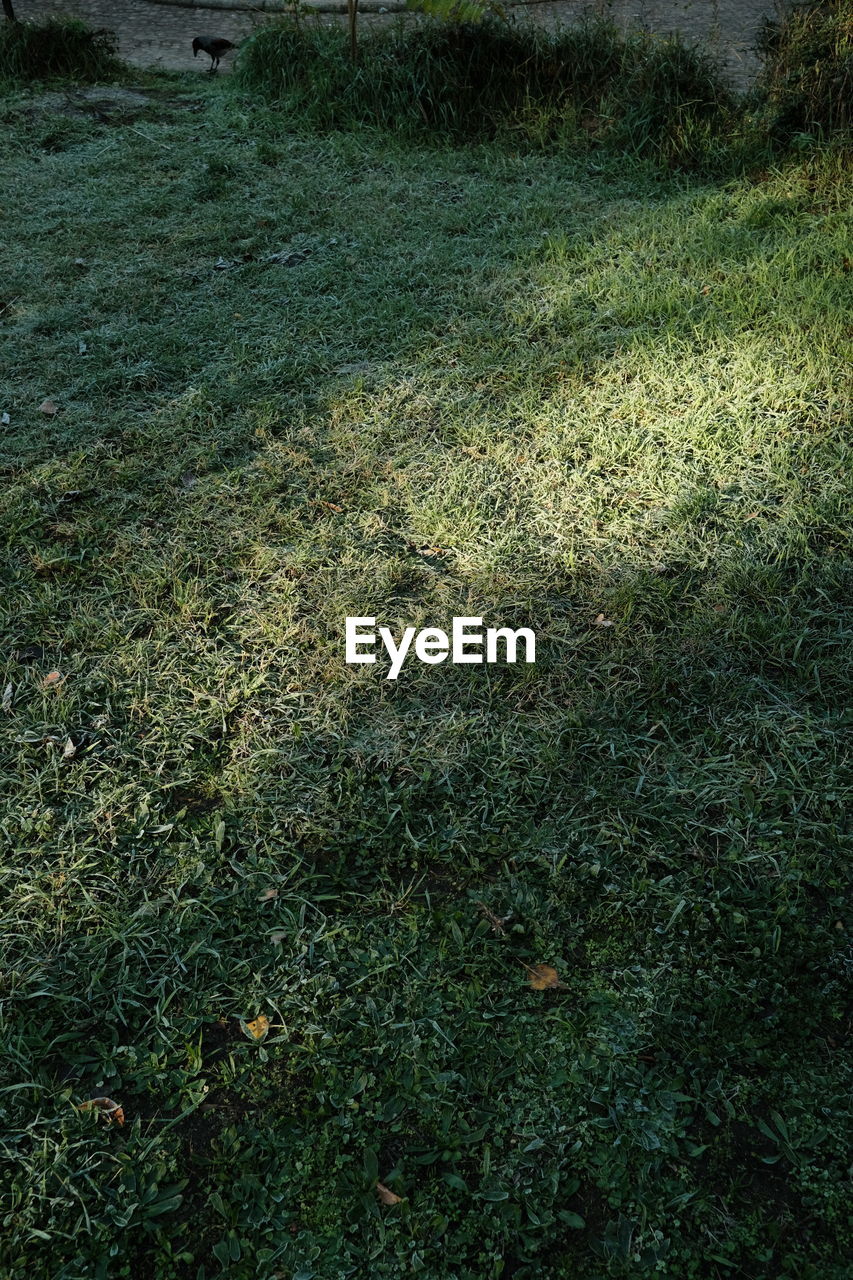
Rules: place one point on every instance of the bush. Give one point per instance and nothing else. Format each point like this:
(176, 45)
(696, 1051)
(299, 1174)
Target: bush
(807, 80)
(670, 97)
(479, 80)
(57, 47)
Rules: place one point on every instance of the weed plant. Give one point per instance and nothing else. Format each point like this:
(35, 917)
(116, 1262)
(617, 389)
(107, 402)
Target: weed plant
(57, 47)
(807, 83)
(581, 84)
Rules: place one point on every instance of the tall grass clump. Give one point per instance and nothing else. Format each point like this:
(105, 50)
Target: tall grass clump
(586, 83)
(807, 81)
(57, 47)
(670, 98)
(308, 72)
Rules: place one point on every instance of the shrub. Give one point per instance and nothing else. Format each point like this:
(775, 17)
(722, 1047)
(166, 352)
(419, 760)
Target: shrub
(478, 80)
(671, 97)
(807, 80)
(56, 47)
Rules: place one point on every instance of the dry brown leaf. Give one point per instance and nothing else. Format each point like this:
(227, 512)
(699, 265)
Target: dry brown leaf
(601, 621)
(385, 1195)
(109, 1109)
(267, 895)
(543, 977)
(258, 1027)
(7, 697)
(332, 506)
(48, 407)
(51, 680)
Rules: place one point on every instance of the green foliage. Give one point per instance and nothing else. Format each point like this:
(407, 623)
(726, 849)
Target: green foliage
(458, 10)
(669, 97)
(299, 377)
(56, 47)
(482, 79)
(807, 81)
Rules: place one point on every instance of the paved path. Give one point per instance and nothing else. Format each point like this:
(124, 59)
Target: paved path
(161, 35)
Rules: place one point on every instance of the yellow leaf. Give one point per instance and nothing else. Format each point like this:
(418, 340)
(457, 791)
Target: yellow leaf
(109, 1109)
(543, 977)
(258, 1028)
(385, 1195)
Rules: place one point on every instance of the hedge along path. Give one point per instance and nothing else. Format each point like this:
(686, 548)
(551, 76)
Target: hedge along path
(158, 33)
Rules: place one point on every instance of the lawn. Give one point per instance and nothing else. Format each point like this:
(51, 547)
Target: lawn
(257, 381)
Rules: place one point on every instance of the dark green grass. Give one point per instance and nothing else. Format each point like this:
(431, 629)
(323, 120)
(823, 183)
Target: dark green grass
(487, 383)
(577, 86)
(57, 47)
(808, 70)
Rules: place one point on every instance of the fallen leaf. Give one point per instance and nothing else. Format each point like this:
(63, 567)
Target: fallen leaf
(82, 348)
(333, 506)
(258, 1027)
(109, 1109)
(4, 420)
(601, 621)
(48, 407)
(7, 697)
(385, 1195)
(267, 895)
(424, 549)
(69, 751)
(51, 680)
(543, 977)
(278, 936)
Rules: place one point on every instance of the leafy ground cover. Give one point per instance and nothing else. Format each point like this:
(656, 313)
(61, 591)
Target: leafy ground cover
(257, 381)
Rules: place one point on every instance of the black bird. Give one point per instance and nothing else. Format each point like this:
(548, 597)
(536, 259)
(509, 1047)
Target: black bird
(213, 46)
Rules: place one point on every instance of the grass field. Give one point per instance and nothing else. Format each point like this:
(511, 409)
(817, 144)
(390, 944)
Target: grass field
(297, 378)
